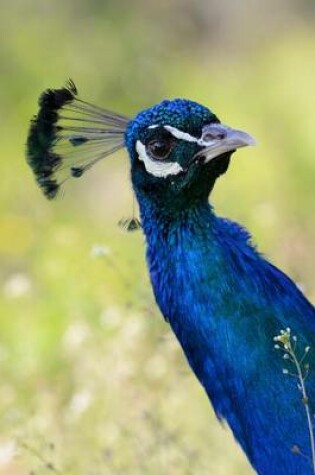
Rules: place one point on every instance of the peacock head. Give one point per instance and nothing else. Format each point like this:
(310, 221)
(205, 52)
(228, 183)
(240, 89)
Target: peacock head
(177, 148)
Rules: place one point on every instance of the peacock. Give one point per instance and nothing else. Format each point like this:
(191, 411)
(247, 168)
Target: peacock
(246, 329)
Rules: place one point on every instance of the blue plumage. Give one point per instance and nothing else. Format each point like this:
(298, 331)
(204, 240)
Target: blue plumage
(224, 301)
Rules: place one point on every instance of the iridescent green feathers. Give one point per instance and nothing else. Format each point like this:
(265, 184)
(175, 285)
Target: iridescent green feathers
(68, 136)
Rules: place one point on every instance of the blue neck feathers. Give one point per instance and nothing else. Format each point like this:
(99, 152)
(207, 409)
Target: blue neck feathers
(224, 303)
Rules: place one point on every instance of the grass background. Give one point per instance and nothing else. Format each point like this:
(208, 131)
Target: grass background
(92, 380)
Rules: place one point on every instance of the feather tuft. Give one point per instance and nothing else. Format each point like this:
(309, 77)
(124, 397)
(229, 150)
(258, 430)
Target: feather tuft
(68, 136)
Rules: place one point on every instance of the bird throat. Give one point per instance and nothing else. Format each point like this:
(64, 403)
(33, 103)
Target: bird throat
(176, 240)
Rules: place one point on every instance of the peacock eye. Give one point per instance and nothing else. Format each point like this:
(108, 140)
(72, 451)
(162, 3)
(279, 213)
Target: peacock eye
(160, 149)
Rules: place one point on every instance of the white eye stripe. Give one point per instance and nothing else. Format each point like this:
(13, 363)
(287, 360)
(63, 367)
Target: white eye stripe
(156, 168)
(178, 134)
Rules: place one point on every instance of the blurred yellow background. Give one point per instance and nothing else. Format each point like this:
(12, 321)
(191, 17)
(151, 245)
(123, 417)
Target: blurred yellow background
(92, 380)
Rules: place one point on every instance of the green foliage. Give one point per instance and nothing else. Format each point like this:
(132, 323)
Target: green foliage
(92, 381)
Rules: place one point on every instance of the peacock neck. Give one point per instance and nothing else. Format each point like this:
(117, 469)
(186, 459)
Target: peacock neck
(182, 253)
(162, 222)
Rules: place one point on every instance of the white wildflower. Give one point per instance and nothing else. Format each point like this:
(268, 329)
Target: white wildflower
(98, 250)
(17, 286)
(75, 335)
(80, 402)
(7, 452)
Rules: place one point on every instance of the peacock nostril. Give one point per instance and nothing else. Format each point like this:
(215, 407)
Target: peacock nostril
(214, 132)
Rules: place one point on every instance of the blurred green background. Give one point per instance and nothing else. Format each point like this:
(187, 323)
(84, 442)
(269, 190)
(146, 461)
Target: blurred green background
(92, 380)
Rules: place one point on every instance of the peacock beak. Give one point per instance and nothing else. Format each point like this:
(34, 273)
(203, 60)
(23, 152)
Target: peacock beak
(218, 139)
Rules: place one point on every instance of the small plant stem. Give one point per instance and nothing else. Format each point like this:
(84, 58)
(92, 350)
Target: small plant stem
(307, 407)
(49, 465)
